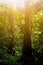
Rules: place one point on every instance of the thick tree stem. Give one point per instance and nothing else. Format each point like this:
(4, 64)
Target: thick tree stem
(27, 35)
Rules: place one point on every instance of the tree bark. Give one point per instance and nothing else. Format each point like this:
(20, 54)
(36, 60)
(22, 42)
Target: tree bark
(27, 34)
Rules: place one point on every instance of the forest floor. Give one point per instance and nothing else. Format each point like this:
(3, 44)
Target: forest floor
(34, 59)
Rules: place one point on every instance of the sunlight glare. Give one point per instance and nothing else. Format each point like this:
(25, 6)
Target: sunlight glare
(13, 3)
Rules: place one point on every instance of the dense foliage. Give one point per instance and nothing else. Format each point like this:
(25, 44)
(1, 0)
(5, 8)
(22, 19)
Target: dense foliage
(37, 30)
(14, 30)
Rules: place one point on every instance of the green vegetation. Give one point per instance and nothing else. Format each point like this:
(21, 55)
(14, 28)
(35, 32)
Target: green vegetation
(21, 37)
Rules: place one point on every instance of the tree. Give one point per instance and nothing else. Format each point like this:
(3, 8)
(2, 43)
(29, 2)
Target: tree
(27, 33)
(29, 11)
(8, 15)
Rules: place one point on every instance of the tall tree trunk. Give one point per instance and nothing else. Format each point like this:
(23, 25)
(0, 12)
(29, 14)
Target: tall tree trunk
(27, 34)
